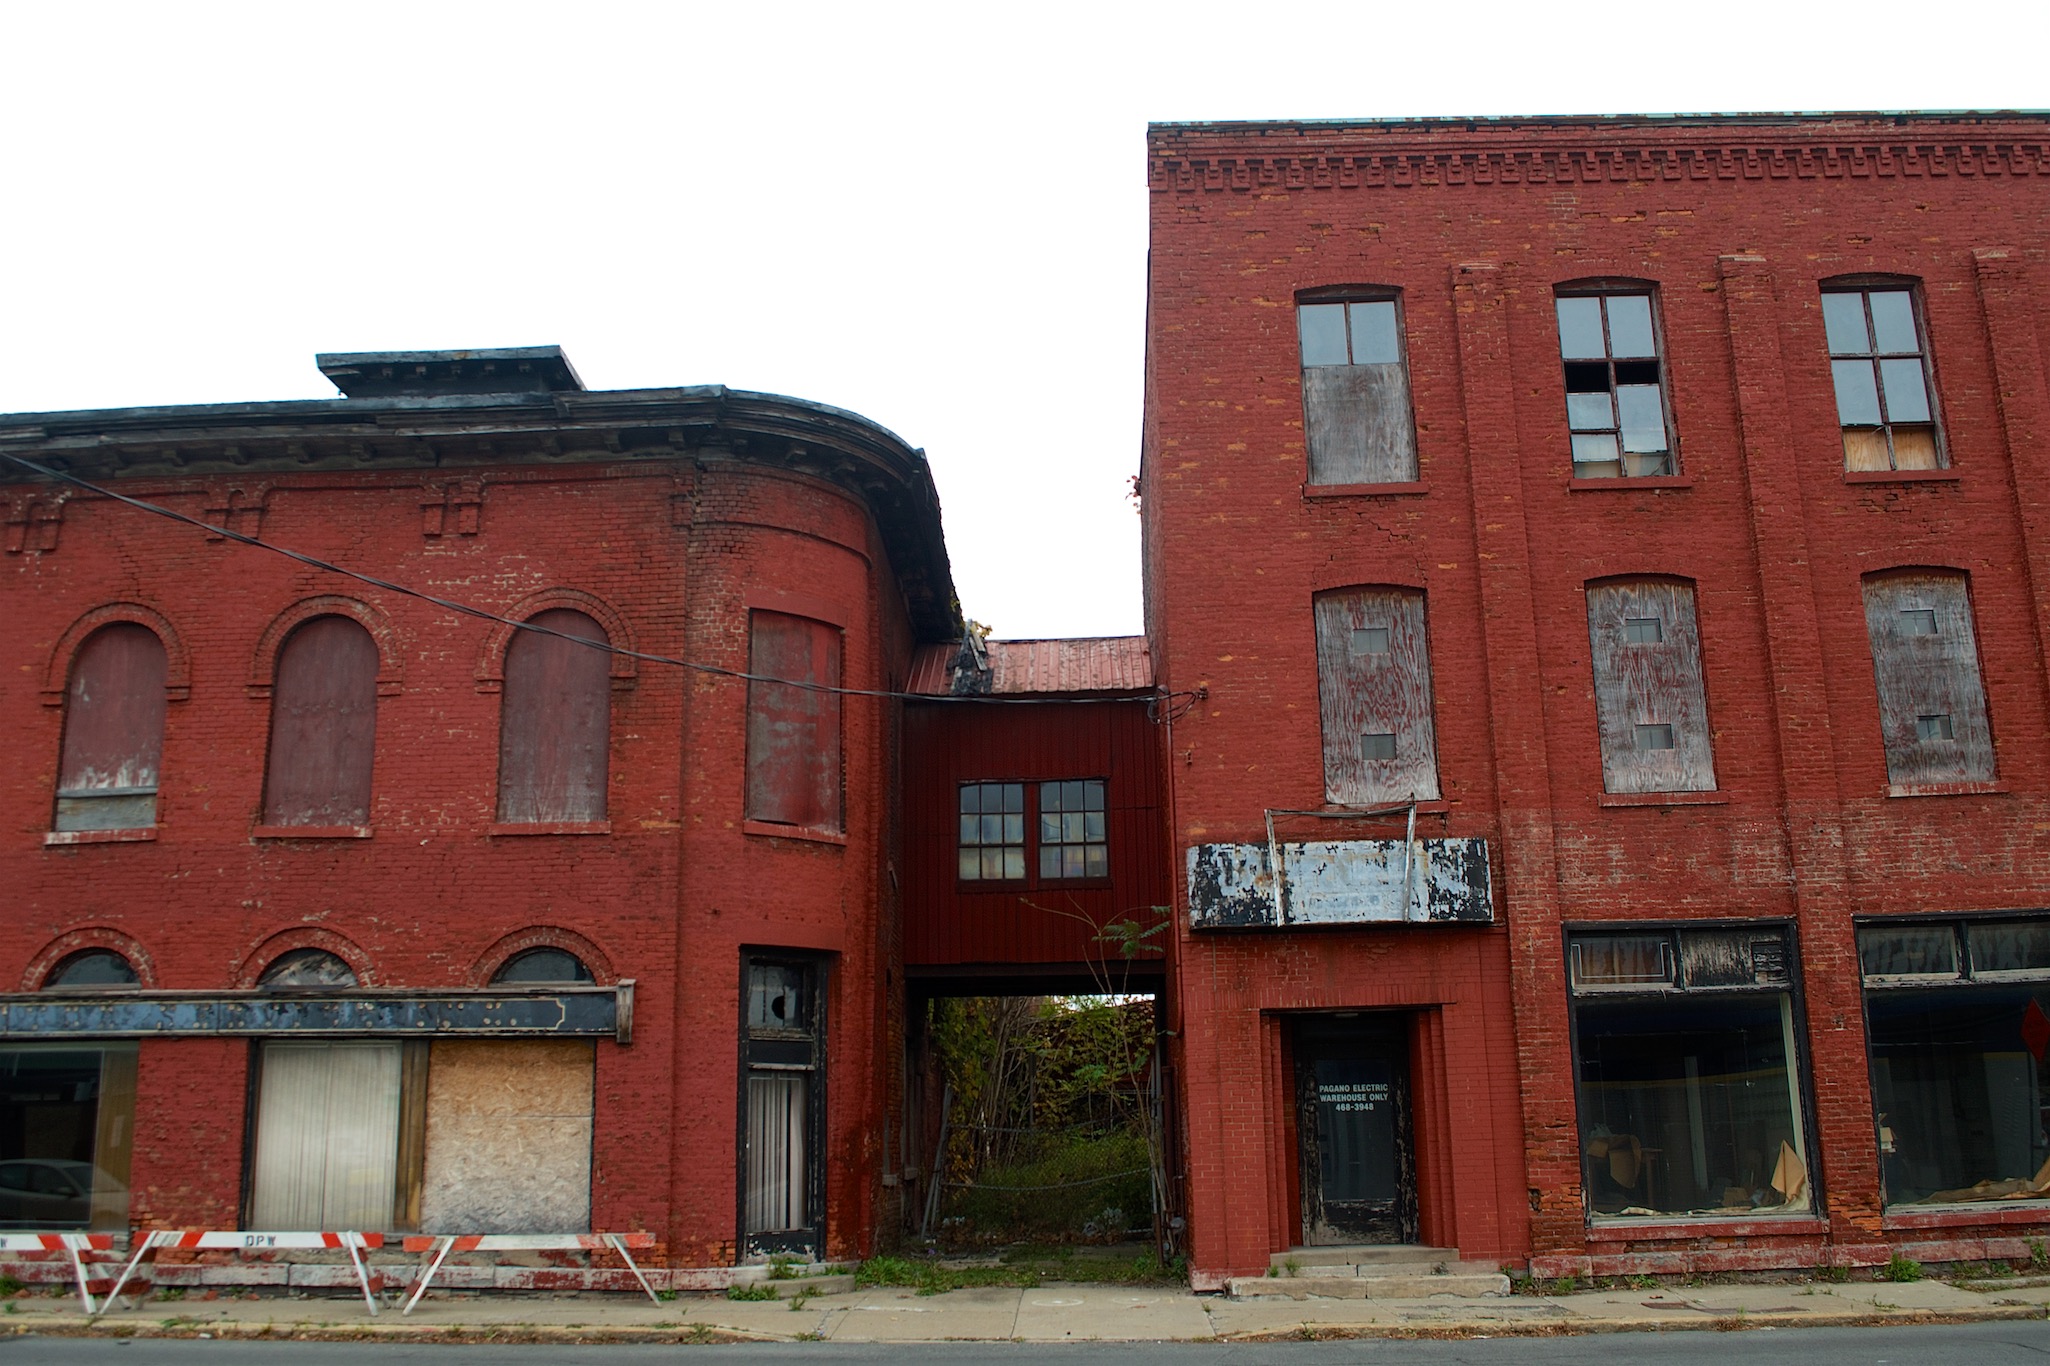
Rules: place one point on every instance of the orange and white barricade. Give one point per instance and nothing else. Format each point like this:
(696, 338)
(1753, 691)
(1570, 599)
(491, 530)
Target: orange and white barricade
(443, 1244)
(76, 1245)
(237, 1240)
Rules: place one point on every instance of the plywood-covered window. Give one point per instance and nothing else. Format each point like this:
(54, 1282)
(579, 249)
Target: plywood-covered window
(323, 726)
(793, 722)
(1925, 659)
(1356, 412)
(508, 1136)
(113, 731)
(1650, 704)
(554, 734)
(1374, 686)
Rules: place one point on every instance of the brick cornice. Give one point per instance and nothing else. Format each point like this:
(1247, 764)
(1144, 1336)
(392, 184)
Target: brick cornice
(1268, 157)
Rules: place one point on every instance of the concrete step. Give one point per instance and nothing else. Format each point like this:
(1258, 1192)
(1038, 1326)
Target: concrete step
(1361, 1254)
(1376, 1285)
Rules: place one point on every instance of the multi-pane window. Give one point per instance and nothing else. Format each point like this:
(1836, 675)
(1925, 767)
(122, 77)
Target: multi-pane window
(1882, 380)
(323, 726)
(1356, 414)
(1072, 839)
(1687, 1081)
(1959, 1037)
(793, 722)
(1615, 386)
(1925, 660)
(992, 832)
(554, 726)
(113, 731)
(1650, 704)
(1069, 839)
(1374, 692)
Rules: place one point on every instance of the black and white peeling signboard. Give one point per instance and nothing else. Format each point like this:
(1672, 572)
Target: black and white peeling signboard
(1340, 882)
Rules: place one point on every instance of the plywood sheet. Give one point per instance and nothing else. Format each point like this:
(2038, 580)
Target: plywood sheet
(508, 1137)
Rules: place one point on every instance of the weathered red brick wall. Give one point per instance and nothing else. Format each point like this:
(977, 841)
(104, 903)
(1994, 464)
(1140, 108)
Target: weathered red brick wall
(668, 897)
(1735, 225)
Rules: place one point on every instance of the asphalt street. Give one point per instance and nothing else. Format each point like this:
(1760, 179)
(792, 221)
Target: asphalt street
(1982, 1344)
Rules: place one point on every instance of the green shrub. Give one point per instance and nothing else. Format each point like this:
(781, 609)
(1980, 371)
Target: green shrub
(1899, 1268)
(1095, 1185)
(758, 1290)
(9, 1286)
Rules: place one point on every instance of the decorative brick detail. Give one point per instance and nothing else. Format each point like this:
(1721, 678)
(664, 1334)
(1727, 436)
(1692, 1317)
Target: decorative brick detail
(263, 666)
(178, 664)
(491, 661)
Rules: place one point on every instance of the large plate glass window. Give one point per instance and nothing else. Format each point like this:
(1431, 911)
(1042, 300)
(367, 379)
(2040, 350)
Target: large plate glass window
(1958, 1024)
(1687, 1073)
(67, 1126)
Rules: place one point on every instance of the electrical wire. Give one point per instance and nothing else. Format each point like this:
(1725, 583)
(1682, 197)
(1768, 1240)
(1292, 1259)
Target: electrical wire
(1157, 696)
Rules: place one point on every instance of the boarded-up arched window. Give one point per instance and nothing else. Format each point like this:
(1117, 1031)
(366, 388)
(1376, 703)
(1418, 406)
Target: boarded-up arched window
(113, 731)
(793, 733)
(554, 730)
(323, 726)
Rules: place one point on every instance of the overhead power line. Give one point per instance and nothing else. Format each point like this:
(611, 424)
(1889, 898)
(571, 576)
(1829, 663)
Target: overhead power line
(485, 614)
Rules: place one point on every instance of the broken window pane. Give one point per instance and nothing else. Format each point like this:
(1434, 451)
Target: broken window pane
(1596, 412)
(1374, 338)
(1322, 327)
(1630, 326)
(1843, 318)
(1687, 1105)
(777, 997)
(1580, 329)
(307, 968)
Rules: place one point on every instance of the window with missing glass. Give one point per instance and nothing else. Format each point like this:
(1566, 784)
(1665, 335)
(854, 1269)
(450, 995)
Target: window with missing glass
(1957, 1017)
(1616, 407)
(1686, 1072)
(1880, 368)
(1357, 421)
(1067, 837)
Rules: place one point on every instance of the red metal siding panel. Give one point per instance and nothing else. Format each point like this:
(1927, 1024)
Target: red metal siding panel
(323, 726)
(553, 739)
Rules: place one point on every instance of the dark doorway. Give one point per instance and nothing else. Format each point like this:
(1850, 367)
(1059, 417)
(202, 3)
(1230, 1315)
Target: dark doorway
(1353, 1129)
(782, 1112)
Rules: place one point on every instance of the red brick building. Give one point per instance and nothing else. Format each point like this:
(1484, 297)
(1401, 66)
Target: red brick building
(332, 904)
(1608, 559)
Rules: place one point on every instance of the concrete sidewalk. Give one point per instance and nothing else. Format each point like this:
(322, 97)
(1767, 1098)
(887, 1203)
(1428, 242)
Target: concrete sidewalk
(1048, 1313)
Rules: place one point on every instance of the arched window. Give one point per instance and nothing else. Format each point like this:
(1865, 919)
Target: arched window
(554, 733)
(543, 965)
(113, 731)
(323, 726)
(92, 968)
(307, 968)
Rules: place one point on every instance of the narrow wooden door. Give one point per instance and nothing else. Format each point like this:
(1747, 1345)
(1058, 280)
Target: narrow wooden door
(1354, 1131)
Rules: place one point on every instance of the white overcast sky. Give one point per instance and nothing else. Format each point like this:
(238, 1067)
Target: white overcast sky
(935, 216)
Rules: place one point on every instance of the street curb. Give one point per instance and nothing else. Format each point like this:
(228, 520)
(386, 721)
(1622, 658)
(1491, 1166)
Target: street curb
(1721, 1323)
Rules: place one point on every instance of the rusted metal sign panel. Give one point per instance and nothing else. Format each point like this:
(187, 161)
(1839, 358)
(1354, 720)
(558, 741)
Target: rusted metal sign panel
(556, 1011)
(1340, 882)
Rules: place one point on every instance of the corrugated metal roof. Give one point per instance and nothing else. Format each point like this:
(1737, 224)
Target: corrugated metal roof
(1087, 664)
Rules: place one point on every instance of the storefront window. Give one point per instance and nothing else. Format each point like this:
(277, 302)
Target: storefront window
(1687, 1095)
(67, 1123)
(1958, 1023)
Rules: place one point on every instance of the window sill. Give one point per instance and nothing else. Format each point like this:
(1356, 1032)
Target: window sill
(1966, 1212)
(136, 836)
(1614, 1228)
(1715, 798)
(1900, 476)
(1407, 489)
(793, 832)
(1944, 789)
(310, 832)
(1637, 484)
(549, 828)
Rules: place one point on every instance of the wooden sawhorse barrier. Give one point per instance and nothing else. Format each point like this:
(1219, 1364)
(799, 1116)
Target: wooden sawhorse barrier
(238, 1240)
(75, 1244)
(443, 1244)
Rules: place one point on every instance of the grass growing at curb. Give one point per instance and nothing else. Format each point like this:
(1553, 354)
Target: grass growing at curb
(1023, 1268)
(759, 1290)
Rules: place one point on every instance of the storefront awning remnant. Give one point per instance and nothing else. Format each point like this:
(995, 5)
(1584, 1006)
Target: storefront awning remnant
(1340, 882)
(549, 1011)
